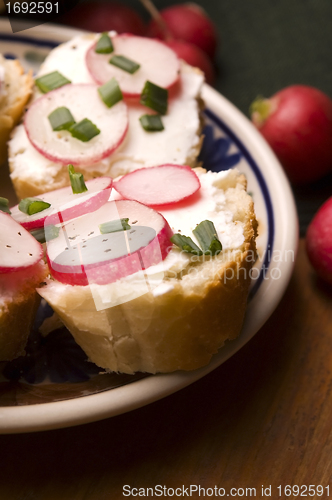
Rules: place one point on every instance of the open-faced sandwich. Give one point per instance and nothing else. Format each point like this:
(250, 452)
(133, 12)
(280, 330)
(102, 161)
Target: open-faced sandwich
(22, 270)
(156, 278)
(150, 256)
(120, 134)
(15, 91)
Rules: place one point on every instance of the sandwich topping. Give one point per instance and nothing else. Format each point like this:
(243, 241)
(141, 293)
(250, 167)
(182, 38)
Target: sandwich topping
(164, 128)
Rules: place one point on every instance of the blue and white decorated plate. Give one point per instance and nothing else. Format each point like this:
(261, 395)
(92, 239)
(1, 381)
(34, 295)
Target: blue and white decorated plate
(55, 386)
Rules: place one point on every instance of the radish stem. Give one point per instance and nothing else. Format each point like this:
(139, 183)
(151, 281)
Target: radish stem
(155, 14)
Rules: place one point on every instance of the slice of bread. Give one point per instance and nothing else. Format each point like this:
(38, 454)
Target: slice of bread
(200, 303)
(18, 304)
(179, 142)
(15, 91)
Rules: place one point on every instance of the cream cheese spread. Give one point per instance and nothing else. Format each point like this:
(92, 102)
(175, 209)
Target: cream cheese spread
(177, 143)
(210, 203)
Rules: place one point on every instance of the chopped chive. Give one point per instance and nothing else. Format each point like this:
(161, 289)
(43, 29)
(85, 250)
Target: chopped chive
(4, 205)
(104, 44)
(76, 180)
(154, 97)
(51, 81)
(207, 237)
(84, 130)
(186, 244)
(46, 234)
(31, 206)
(114, 226)
(61, 119)
(124, 63)
(151, 123)
(39, 235)
(51, 232)
(110, 92)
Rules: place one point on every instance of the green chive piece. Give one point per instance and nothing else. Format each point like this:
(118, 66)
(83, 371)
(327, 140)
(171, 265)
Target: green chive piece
(84, 130)
(124, 63)
(61, 119)
(154, 97)
(114, 226)
(76, 180)
(110, 92)
(186, 244)
(39, 235)
(151, 123)
(51, 81)
(46, 234)
(4, 205)
(31, 206)
(104, 45)
(207, 237)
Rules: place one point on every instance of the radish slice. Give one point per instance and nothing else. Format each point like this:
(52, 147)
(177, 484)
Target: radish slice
(158, 64)
(65, 205)
(18, 249)
(162, 185)
(83, 101)
(81, 255)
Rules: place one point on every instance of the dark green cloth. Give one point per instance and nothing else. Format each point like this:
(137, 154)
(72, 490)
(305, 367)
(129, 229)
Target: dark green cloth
(266, 45)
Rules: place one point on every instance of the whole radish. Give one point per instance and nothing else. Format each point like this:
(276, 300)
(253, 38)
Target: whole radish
(319, 241)
(194, 56)
(187, 22)
(297, 123)
(105, 16)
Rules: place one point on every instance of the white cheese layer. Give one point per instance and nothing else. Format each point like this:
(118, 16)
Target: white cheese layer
(176, 144)
(209, 204)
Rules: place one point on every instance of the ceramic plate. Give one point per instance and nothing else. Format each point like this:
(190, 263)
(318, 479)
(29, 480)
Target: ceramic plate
(54, 386)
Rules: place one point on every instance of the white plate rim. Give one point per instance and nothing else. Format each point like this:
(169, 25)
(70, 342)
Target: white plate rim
(85, 409)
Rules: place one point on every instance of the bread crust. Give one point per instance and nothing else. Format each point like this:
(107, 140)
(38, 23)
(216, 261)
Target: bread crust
(16, 319)
(177, 330)
(18, 88)
(19, 302)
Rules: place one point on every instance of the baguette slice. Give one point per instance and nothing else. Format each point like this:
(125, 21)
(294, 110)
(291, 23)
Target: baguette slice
(185, 320)
(15, 91)
(18, 305)
(180, 141)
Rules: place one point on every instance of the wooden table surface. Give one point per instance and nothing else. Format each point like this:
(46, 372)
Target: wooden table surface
(262, 418)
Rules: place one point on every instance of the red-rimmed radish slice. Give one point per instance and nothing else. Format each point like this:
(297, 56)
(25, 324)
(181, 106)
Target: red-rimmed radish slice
(83, 101)
(161, 185)
(158, 63)
(65, 205)
(82, 255)
(18, 249)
